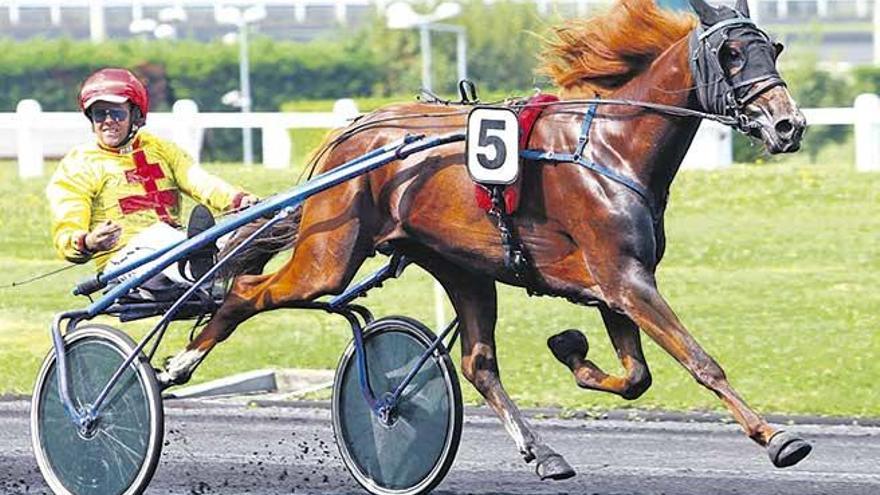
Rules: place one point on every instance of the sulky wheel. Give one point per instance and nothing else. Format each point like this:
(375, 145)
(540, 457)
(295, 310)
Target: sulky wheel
(411, 453)
(120, 453)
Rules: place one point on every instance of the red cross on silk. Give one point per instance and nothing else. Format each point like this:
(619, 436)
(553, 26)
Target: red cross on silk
(159, 200)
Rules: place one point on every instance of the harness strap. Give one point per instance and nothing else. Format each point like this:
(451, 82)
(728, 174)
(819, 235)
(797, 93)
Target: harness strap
(515, 257)
(585, 132)
(550, 156)
(723, 24)
(578, 158)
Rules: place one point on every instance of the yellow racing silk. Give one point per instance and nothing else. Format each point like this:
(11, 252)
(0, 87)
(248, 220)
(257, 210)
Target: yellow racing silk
(135, 187)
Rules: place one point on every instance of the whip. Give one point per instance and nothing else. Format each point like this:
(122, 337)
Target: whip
(38, 277)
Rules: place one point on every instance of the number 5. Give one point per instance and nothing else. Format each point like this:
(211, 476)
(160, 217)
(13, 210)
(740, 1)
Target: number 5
(485, 141)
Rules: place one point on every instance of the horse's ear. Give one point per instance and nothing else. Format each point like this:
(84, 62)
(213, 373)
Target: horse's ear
(742, 6)
(707, 13)
(778, 47)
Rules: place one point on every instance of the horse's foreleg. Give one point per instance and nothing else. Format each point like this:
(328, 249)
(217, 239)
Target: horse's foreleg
(474, 300)
(570, 348)
(639, 298)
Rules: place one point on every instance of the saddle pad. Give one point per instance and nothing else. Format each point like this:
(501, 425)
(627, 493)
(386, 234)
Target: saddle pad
(527, 116)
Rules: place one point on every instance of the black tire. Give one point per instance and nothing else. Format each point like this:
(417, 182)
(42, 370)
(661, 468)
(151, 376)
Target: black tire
(122, 453)
(412, 455)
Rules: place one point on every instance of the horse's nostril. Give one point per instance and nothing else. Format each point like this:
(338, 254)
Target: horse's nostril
(784, 127)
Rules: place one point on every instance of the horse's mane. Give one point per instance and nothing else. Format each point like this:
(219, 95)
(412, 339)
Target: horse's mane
(595, 56)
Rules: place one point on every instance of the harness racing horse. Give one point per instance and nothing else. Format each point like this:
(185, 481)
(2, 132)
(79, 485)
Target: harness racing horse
(588, 238)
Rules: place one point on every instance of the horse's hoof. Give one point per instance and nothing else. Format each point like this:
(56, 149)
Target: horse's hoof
(554, 467)
(785, 449)
(568, 347)
(166, 380)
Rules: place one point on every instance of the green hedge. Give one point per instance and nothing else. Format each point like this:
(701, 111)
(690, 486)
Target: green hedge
(51, 71)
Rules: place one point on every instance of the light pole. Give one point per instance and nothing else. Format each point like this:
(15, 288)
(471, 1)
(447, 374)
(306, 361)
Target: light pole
(241, 19)
(147, 26)
(400, 15)
(876, 31)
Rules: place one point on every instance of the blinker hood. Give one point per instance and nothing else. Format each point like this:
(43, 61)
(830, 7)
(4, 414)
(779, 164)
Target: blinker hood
(718, 93)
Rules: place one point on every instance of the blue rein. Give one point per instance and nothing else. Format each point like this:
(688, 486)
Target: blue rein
(579, 158)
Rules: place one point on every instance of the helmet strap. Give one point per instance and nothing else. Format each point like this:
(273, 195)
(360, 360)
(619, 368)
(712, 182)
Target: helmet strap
(136, 122)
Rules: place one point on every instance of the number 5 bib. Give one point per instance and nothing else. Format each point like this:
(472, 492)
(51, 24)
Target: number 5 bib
(493, 145)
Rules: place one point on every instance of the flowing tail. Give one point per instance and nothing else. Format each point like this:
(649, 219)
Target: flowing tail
(253, 258)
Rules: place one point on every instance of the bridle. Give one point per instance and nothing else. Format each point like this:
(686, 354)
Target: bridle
(723, 94)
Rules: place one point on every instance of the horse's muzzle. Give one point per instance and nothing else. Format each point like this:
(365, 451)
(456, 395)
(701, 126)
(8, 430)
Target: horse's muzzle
(781, 124)
(788, 132)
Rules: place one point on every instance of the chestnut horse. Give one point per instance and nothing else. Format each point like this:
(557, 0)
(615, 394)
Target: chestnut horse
(588, 238)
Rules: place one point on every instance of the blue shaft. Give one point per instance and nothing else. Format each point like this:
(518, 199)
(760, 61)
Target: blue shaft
(391, 152)
(122, 270)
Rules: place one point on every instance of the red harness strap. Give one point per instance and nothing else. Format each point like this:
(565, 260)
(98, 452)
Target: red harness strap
(527, 118)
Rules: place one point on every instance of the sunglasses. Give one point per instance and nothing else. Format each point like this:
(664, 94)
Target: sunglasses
(116, 114)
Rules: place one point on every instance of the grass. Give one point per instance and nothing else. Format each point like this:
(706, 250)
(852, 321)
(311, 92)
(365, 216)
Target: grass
(773, 268)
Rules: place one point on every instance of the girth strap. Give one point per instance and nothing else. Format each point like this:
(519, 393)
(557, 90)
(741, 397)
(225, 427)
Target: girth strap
(515, 257)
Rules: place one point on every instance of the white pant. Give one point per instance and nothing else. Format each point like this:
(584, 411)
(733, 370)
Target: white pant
(148, 241)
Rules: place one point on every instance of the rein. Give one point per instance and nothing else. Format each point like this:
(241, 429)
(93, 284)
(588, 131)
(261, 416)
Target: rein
(657, 107)
(716, 91)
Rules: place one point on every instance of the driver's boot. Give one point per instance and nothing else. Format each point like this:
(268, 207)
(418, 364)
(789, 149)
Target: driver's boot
(202, 259)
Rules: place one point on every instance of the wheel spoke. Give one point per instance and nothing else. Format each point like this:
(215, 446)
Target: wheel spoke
(413, 452)
(126, 444)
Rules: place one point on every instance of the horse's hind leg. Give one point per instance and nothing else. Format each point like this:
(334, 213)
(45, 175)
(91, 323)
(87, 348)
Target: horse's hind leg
(474, 299)
(638, 296)
(570, 348)
(333, 242)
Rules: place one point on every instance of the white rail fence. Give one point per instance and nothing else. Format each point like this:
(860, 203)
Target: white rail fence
(30, 135)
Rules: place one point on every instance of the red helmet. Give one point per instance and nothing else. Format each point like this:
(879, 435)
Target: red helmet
(115, 86)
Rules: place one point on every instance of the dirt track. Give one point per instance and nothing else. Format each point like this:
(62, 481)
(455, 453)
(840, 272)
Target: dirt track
(226, 449)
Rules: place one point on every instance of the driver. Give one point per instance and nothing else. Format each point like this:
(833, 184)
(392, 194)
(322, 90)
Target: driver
(119, 195)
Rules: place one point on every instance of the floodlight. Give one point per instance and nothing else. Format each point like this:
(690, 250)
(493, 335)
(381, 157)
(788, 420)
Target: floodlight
(230, 38)
(254, 14)
(444, 11)
(165, 31)
(228, 15)
(400, 15)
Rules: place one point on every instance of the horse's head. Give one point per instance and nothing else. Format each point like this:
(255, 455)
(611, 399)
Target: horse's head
(734, 68)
